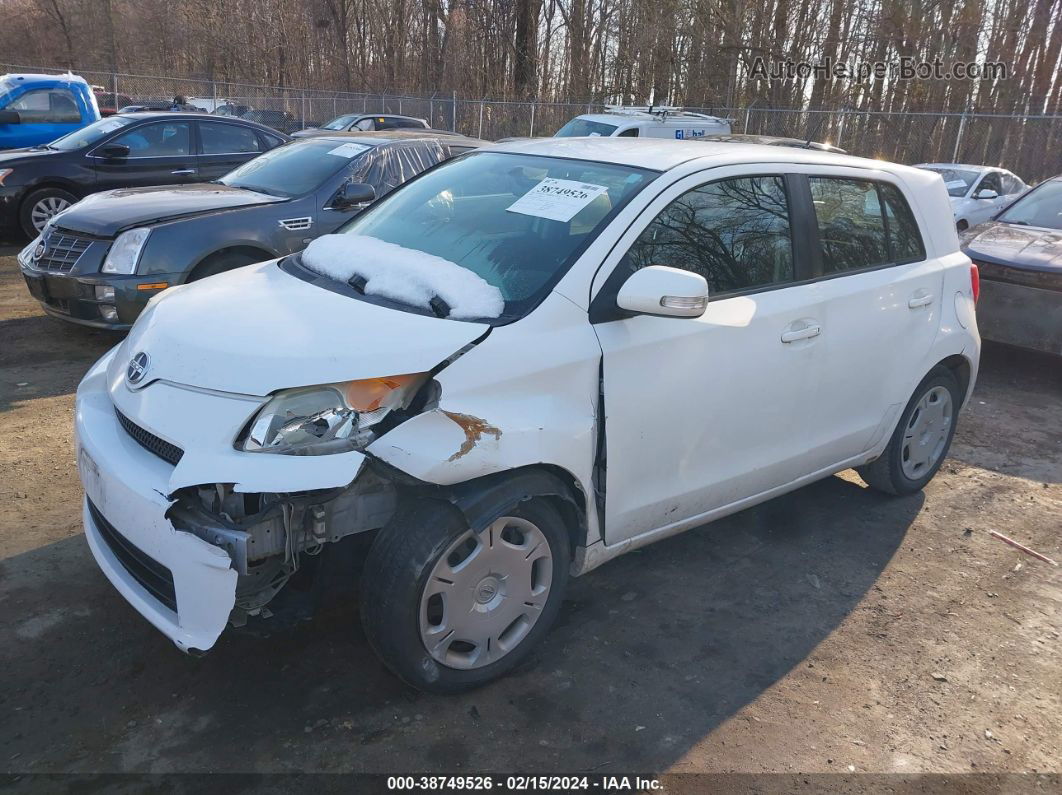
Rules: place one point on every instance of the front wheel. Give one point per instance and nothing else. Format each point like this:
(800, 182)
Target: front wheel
(448, 607)
(41, 206)
(921, 439)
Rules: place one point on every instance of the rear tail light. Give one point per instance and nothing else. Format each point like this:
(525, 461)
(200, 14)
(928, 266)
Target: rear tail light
(975, 282)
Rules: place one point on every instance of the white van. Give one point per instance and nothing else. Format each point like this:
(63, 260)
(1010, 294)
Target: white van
(620, 121)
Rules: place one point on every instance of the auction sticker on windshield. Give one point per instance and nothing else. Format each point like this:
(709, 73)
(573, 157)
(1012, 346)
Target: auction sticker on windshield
(556, 199)
(348, 150)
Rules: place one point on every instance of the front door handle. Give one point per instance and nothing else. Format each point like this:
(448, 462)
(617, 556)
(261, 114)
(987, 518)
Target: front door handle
(182, 171)
(924, 299)
(802, 333)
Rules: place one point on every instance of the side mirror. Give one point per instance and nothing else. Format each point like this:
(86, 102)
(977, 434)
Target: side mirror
(10, 117)
(986, 193)
(114, 151)
(353, 194)
(664, 291)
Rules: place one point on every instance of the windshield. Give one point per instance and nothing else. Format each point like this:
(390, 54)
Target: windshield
(516, 221)
(1042, 206)
(958, 181)
(87, 136)
(294, 169)
(341, 122)
(580, 127)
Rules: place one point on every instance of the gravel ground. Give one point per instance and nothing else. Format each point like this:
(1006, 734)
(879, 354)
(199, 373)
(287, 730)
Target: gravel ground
(832, 630)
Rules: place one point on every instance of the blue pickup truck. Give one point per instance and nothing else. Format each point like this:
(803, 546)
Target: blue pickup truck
(36, 109)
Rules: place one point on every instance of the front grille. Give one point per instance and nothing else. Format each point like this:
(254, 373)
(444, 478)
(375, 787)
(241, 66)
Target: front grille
(149, 441)
(62, 251)
(1044, 280)
(152, 576)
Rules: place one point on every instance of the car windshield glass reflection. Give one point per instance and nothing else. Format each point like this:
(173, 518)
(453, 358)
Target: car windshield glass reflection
(295, 169)
(1041, 207)
(87, 136)
(957, 180)
(517, 221)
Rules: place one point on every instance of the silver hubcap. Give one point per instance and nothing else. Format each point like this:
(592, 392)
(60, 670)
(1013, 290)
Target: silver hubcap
(926, 433)
(43, 211)
(485, 593)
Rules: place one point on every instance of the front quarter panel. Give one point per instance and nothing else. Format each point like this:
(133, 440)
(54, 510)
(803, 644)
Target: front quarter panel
(174, 248)
(526, 395)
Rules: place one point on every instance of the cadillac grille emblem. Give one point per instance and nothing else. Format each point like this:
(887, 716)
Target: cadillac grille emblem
(138, 366)
(39, 251)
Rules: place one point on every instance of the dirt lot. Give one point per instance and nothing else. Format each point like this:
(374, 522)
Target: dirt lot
(831, 630)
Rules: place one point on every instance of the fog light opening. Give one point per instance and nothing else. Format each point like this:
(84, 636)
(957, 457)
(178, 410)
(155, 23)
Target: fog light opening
(104, 293)
(109, 313)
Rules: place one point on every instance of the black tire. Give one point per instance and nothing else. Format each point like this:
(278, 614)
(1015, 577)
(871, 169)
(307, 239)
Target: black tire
(225, 261)
(397, 570)
(962, 226)
(886, 473)
(26, 211)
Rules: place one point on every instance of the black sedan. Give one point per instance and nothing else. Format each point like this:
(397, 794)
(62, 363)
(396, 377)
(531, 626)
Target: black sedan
(1019, 257)
(100, 262)
(125, 150)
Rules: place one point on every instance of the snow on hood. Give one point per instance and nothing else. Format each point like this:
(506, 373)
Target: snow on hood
(404, 274)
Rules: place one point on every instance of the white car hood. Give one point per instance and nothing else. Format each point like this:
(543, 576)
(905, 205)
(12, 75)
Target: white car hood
(258, 329)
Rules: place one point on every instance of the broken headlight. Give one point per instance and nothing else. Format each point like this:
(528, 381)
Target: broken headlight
(332, 418)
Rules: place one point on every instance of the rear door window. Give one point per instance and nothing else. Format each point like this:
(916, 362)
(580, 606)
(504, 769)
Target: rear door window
(851, 223)
(216, 138)
(734, 232)
(47, 106)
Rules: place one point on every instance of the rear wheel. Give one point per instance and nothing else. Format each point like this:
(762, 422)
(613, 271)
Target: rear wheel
(447, 607)
(921, 439)
(962, 226)
(41, 206)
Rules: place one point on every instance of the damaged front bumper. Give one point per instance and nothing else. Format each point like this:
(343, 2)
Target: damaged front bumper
(188, 569)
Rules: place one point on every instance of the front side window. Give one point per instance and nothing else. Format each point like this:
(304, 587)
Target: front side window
(162, 139)
(47, 106)
(851, 223)
(226, 139)
(517, 221)
(734, 232)
(387, 167)
(991, 181)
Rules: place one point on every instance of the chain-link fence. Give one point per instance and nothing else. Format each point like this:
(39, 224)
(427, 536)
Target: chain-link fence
(1030, 146)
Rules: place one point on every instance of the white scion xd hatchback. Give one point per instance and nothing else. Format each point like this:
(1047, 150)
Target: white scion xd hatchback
(515, 367)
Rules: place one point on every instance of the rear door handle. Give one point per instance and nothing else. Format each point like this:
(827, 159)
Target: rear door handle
(920, 301)
(184, 171)
(802, 334)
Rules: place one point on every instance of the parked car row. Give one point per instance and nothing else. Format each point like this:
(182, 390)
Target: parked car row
(100, 262)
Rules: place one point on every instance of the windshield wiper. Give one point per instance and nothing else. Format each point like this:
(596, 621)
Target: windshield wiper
(438, 306)
(1016, 223)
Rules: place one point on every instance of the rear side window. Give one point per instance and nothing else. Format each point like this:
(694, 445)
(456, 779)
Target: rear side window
(734, 232)
(47, 106)
(631, 133)
(851, 223)
(904, 239)
(225, 139)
